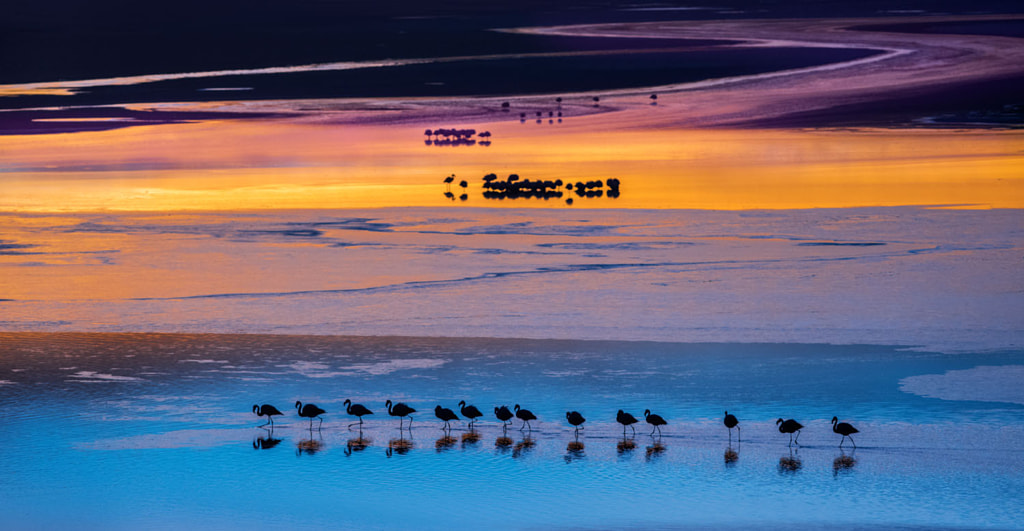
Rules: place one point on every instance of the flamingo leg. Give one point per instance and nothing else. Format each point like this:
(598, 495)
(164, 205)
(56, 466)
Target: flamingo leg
(634, 430)
(739, 434)
(798, 437)
(791, 439)
(854, 443)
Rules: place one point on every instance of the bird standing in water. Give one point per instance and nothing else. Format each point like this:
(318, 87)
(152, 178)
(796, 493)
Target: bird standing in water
(504, 414)
(268, 410)
(358, 410)
(310, 411)
(526, 416)
(446, 415)
(575, 419)
(401, 411)
(653, 420)
(626, 420)
(790, 426)
(470, 412)
(845, 430)
(731, 422)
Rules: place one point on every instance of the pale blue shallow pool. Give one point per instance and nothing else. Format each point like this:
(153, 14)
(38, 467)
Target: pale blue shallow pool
(112, 431)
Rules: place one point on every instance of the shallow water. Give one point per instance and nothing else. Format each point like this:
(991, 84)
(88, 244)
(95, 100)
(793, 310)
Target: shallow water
(131, 430)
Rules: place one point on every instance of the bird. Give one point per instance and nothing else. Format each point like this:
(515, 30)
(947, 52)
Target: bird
(268, 410)
(626, 420)
(731, 422)
(310, 411)
(470, 412)
(575, 419)
(845, 430)
(653, 420)
(504, 415)
(526, 416)
(358, 410)
(446, 415)
(401, 411)
(790, 426)
(448, 181)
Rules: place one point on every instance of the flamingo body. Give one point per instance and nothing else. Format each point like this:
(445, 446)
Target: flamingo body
(268, 410)
(654, 420)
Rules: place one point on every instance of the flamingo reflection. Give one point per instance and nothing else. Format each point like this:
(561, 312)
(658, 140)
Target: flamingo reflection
(574, 451)
(789, 464)
(357, 445)
(731, 456)
(265, 443)
(446, 442)
(308, 447)
(398, 446)
(655, 450)
(844, 463)
(503, 443)
(522, 447)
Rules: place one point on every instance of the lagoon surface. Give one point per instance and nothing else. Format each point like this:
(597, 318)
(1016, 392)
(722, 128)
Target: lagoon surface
(171, 415)
(697, 210)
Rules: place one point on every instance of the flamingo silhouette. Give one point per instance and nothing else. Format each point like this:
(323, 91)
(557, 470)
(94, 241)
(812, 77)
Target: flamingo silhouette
(526, 416)
(504, 415)
(626, 420)
(446, 415)
(448, 182)
(310, 411)
(653, 420)
(470, 412)
(845, 430)
(358, 410)
(401, 411)
(790, 426)
(731, 422)
(268, 410)
(575, 419)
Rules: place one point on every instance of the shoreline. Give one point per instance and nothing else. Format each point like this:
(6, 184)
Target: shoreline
(909, 63)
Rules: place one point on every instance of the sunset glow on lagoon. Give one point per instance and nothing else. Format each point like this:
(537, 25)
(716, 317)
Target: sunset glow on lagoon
(794, 211)
(257, 164)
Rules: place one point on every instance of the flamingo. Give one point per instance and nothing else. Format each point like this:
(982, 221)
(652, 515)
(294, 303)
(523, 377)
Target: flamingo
(268, 410)
(446, 415)
(504, 415)
(653, 420)
(575, 419)
(358, 410)
(448, 181)
(731, 422)
(790, 426)
(401, 411)
(845, 430)
(526, 416)
(310, 411)
(626, 420)
(470, 412)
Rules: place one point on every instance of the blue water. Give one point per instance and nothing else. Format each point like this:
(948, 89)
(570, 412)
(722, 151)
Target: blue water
(156, 431)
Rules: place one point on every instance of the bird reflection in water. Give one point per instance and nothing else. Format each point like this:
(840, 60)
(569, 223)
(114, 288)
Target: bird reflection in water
(503, 444)
(266, 442)
(398, 446)
(655, 450)
(446, 442)
(625, 446)
(844, 463)
(357, 445)
(731, 456)
(308, 447)
(523, 447)
(574, 451)
(789, 464)
(470, 438)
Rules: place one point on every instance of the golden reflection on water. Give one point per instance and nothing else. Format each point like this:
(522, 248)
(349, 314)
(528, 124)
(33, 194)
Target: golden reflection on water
(254, 165)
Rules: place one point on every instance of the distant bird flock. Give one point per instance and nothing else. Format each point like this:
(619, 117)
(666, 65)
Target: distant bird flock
(505, 415)
(513, 187)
